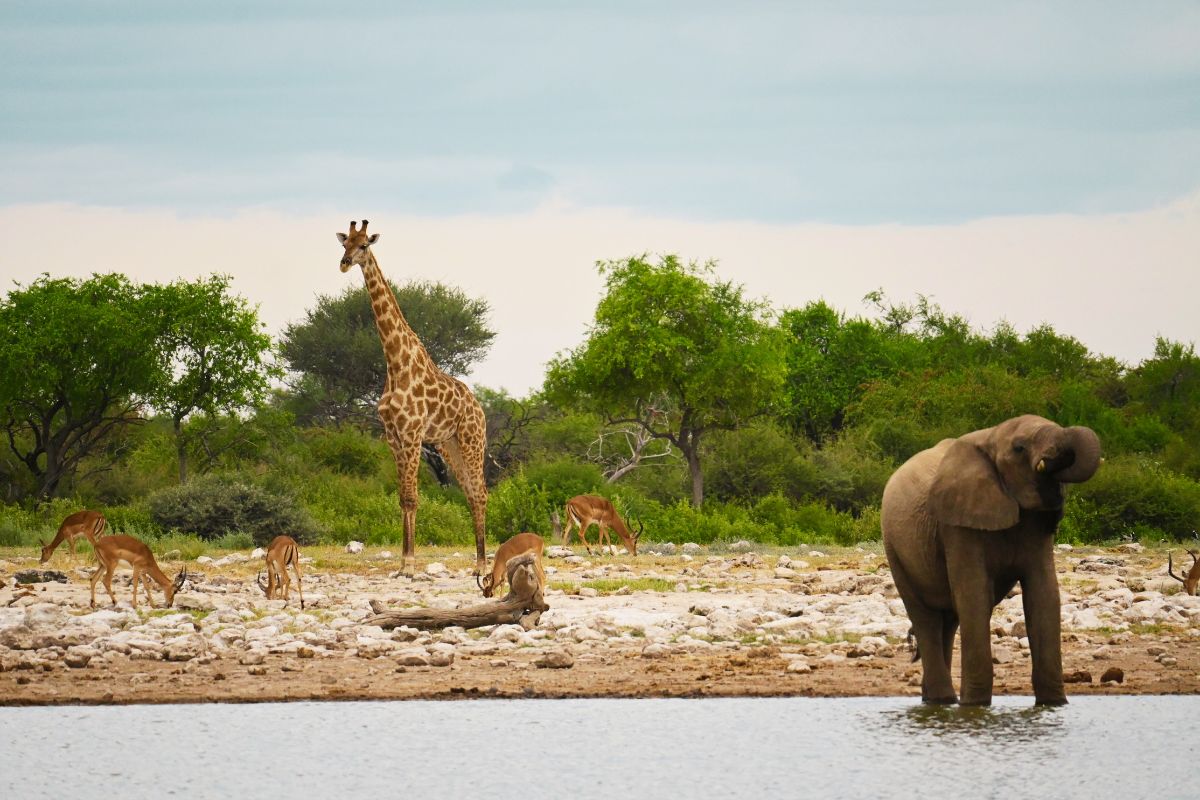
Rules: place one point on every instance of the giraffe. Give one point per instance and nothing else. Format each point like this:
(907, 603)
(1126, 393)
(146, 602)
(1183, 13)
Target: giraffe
(420, 404)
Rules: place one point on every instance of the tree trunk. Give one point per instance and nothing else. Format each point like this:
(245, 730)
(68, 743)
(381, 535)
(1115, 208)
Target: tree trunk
(523, 605)
(690, 445)
(181, 450)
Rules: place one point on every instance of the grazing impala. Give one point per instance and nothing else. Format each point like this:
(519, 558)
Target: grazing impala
(582, 510)
(1192, 578)
(89, 524)
(281, 552)
(517, 545)
(113, 549)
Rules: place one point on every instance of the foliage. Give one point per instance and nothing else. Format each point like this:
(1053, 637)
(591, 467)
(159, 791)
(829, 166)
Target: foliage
(214, 350)
(211, 507)
(1131, 496)
(79, 358)
(675, 351)
(339, 363)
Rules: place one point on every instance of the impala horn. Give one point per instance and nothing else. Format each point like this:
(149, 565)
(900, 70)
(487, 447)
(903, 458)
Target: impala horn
(181, 579)
(478, 582)
(1171, 566)
(260, 583)
(641, 528)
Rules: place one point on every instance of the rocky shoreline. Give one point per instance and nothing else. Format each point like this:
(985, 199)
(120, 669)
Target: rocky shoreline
(680, 622)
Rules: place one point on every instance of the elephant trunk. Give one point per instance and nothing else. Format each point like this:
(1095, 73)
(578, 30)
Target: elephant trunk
(1084, 444)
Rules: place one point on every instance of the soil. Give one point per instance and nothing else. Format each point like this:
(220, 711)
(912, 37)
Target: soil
(604, 669)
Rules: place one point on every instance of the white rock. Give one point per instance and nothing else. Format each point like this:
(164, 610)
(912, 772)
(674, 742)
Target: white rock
(253, 657)
(656, 650)
(185, 648)
(587, 591)
(194, 601)
(441, 658)
(784, 572)
(436, 569)
(690, 548)
(354, 548)
(204, 560)
(799, 665)
(258, 552)
(412, 657)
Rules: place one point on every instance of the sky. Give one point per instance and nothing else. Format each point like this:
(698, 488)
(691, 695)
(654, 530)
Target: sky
(1029, 162)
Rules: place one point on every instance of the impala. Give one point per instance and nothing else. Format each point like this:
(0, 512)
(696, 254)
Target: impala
(585, 509)
(281, 552)
(112, 550)
(517, 545)
(89, 524)
(1192, 578)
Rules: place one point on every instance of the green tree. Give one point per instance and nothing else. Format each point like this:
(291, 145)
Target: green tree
(79, 359)
(676, 352)
(215, 351)
(339, 363)
(830, 361)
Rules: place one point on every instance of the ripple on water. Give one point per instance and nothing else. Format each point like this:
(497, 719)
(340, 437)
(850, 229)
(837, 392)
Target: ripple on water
(730, 747)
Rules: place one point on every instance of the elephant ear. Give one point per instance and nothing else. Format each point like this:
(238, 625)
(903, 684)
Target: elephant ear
(967, 491)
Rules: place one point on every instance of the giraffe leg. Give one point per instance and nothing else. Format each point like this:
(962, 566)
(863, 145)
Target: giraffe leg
(406, 449)
(465, 456)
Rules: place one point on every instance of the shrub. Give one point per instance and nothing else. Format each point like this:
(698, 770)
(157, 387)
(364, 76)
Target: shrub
(347, 451)
(1131, 496)
(211, 507)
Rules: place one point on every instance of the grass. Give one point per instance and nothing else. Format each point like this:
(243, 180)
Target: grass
(606, 586)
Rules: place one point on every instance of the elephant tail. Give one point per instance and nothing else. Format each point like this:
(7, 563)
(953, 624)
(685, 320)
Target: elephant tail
(912, 642)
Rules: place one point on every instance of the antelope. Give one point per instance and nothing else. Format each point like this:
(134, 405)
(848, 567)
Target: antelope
(113, 549)
(281, 552)
(517, 545)
(1192, 578)
(89, 524)
(584, 509)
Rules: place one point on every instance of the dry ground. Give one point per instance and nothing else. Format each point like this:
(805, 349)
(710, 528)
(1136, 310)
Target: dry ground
(756, 666)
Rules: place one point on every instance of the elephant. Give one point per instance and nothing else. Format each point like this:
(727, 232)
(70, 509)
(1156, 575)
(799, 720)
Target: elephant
(963, 522)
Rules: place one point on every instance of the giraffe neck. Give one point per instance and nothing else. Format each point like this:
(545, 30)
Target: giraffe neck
(401, 347)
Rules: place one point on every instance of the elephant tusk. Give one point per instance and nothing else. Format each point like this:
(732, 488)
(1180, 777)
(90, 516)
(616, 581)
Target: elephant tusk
(1041, 465)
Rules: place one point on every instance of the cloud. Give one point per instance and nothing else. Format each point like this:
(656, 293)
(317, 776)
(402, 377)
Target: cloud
(1114, 281)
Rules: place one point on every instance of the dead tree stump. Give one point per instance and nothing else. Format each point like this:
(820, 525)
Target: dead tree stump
(523, 605)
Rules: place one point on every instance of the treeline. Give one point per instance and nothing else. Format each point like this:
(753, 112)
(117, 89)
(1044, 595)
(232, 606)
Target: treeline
(706, 414)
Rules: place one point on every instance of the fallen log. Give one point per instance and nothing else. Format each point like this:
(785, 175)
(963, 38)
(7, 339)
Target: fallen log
(523, 605)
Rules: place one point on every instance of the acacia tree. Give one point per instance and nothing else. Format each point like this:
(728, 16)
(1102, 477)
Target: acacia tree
(336, 355)
(78, 360)
(214, 350)
(671, 337)
(338, 361)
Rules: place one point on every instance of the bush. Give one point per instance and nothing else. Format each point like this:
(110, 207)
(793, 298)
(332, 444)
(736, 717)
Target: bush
(1131, 496)
(211, 507)
(346, 452)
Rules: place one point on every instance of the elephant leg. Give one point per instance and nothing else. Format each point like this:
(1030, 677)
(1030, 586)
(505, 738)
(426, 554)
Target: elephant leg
(949, 630)
(1039, 596)
(929, 626)
(972, 600)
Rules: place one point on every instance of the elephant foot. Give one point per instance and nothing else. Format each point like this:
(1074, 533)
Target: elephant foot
(975, 701)
(1050, 701)
(943, 700)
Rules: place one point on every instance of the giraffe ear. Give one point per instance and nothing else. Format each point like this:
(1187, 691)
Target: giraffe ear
(342, 238)
(373, 238)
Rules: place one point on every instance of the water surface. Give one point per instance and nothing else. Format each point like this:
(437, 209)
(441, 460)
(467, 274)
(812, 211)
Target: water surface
(1096, 747)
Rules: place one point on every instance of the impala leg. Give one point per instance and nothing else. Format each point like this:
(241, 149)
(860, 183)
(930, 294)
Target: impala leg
(95, 579)
(299, 583)
(137, 574)
(108, 573)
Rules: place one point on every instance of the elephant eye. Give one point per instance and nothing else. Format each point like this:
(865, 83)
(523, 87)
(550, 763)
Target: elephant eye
(1018, 448)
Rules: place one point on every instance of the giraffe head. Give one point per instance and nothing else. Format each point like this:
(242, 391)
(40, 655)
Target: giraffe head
(357, 244)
